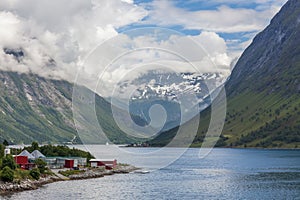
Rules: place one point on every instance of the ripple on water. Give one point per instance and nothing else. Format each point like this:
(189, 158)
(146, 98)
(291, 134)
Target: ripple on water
(224, 174)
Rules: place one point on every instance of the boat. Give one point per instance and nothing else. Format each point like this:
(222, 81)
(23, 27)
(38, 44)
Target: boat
(142, 172)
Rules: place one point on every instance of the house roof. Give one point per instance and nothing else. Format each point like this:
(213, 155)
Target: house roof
(26, 153)
(103, 160)
(37, 154)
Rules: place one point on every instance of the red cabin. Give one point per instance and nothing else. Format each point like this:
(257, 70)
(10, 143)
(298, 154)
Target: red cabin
(69, 164)
(108, 163)
(22, 161)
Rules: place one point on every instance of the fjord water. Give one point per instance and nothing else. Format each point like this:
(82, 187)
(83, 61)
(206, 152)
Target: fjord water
(223, 174)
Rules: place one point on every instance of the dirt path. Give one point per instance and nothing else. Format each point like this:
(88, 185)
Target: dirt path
(55, 171)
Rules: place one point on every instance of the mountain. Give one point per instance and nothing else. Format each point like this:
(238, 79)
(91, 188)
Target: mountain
(164, 88)
(33, 108)
(166, 85)
(263, 91)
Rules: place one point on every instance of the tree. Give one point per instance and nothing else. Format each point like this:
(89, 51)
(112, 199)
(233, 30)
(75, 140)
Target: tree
(5, 143)
(7, 174)
(41, 165)
(2, 148)
(8, 161)
(34, 146)
(35, 173)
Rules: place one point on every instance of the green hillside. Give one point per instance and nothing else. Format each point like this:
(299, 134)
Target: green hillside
(38, 109)
(263, 92)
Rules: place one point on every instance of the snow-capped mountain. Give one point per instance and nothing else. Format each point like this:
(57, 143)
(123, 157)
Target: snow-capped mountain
(169, 86)
(169, 89)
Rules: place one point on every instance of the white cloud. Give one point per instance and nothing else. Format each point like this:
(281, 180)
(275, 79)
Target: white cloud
(59, 30)
(56, 36)
(222, 19)
(203, 53)
(10, 28)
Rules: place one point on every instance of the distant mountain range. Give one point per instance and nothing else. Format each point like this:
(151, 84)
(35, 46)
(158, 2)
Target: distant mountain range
(163, 88)
(263, 92)
(167, 85)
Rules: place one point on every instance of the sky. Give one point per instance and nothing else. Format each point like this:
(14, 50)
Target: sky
(58, 37)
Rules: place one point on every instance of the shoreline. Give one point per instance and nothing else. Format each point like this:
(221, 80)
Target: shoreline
(225, 147)
(28, 184)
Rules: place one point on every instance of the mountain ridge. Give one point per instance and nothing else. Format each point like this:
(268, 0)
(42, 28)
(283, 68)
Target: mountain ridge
(34, 108)
(263, 91)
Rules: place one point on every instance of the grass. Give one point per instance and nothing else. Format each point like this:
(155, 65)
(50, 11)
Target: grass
(22, 174)
(49, 117)
(252, 120)
(68, 173)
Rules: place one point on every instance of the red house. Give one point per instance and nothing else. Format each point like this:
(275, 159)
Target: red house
(22, 161)
(108, 163)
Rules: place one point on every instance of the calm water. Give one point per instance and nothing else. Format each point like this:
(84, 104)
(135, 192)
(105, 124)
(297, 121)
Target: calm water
(223, 174)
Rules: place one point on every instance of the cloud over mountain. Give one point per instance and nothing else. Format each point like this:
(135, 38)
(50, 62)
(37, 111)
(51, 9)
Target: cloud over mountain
(52, 38)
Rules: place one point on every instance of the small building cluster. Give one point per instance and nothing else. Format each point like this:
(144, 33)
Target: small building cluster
(65, 162)
(26, 161)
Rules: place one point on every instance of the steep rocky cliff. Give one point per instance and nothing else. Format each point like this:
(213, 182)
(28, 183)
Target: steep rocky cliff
(263, 92)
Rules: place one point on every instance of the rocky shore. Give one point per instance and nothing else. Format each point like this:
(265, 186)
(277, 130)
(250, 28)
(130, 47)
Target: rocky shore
(28, 184)
(100, 172)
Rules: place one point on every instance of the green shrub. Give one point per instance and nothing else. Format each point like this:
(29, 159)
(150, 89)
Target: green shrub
(8, 161)
(35, 173)
(21, 174)
(41, 164)
(7, 174)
